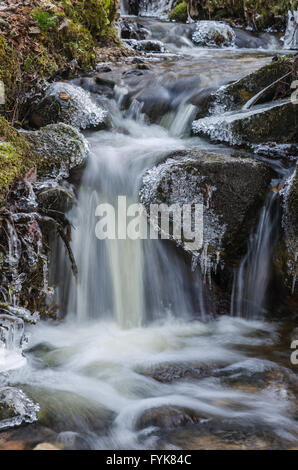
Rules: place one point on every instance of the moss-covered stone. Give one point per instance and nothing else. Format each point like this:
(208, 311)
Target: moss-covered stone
(273, 123)
(237, 94)
(59, 147)
(279, 124)
(179, 13)
(15, 157)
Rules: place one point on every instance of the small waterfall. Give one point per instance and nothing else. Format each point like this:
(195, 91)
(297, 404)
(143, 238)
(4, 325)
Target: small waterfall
(249, 293)
(291, 36)
(128, 281)
(183, 119)
(155, 8)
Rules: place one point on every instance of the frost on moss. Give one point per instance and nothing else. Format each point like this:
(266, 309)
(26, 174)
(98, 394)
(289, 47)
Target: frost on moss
(60, 148)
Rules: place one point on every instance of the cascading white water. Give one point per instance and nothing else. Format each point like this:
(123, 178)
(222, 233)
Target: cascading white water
(158, 8)
(291, 36)
(252, 278)
(125, 279)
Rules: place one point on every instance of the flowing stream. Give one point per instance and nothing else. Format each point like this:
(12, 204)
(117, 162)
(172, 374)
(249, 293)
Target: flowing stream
(139, 360)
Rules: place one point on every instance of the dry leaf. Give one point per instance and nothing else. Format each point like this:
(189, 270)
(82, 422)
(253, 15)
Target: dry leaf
(64, 96)
(31, 175)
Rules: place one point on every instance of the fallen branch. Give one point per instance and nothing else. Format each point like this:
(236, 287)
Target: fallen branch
(65, 239)
(256, 98)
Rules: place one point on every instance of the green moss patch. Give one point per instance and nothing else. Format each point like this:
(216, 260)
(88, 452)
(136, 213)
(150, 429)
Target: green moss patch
(179, 13)
(15, 157)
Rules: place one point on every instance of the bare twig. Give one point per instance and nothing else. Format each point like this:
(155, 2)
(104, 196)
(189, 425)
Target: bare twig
(256, 98)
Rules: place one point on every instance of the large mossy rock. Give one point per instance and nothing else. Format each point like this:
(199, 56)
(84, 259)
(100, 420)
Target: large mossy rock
(272, 123)
(232, 188)
(286, 255)
(60, 148)
(236, 95)
(70, 104)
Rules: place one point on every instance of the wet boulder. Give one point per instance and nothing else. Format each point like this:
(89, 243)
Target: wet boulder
(51, 195)
(213, 34)
(70, 104)
(235, 95)
(155, 100)
(231, 188)
(146, 45)
(130, 30)
(286, 255)
(168, 417)
(272, 123)
(59, 148)
(99, 86)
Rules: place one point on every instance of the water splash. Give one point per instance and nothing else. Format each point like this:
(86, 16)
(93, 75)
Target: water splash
(250, 288)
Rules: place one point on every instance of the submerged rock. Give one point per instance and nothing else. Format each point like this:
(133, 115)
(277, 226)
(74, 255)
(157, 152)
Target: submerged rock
(60, 148)
(213, 34)
(286, 256)
(146, 45)
(276, 122)
(168, 417)
(231, 189)
(154, 101)
(70, 104)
